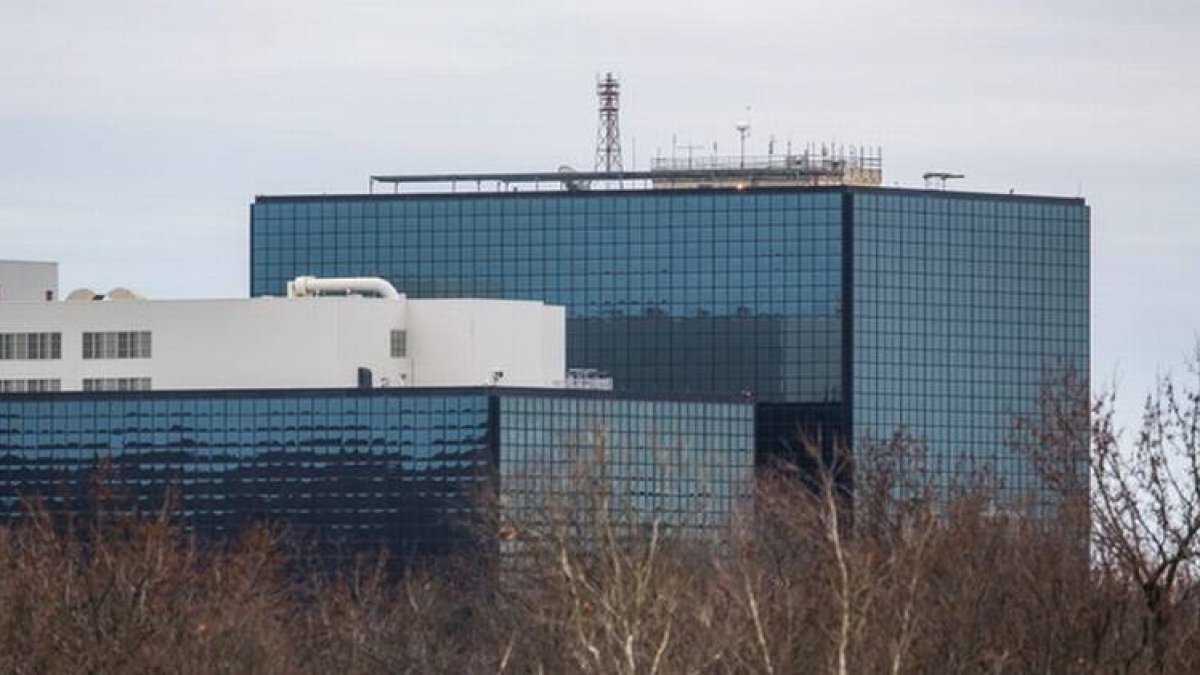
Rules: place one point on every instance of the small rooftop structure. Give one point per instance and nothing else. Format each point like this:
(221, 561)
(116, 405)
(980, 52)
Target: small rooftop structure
(28, 281)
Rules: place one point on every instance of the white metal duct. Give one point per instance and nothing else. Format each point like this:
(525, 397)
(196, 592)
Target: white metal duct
(302, 287)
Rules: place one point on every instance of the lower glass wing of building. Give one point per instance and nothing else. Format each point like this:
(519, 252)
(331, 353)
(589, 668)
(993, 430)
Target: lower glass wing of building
(687, 465)
(346, 471)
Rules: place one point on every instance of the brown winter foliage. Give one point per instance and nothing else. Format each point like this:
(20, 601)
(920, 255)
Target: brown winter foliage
(920, 585)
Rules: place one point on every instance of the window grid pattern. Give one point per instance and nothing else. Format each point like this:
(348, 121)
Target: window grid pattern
(364, 470)
(132, 344)
(30, 346)
(19, 386)
(399, 344)
(116, 384)
(386, 468)
(684, 464)
(671, 292)
(963, 310)
(963, 304)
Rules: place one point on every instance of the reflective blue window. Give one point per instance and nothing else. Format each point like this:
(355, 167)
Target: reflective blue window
(398, 469)
(964, 309)
(962, 305)
(668, 292)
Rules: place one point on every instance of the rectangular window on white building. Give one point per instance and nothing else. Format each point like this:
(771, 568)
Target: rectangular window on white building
(399, 344)
(130, 344)
(30, 346)
(116, 384)
(29, 386)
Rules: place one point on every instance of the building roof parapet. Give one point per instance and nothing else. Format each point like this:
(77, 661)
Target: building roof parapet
(630, 188)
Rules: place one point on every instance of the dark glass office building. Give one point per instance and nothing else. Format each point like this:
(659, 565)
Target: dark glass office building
(413, 470)
(846, 310)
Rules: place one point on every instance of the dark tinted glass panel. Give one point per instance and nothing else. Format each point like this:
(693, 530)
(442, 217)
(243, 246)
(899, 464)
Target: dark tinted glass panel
(697, 291)
(352, 472)
(362, 471)
(683, 464)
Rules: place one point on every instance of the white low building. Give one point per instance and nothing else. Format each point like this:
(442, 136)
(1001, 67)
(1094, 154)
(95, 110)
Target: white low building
(326, 333)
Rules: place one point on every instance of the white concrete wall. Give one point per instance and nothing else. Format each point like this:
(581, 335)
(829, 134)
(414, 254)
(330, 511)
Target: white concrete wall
(27, 281)
(462, 342)
(296, 343)
(205, 344)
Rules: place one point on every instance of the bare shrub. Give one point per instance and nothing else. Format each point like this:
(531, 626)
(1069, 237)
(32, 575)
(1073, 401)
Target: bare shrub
(126, 594)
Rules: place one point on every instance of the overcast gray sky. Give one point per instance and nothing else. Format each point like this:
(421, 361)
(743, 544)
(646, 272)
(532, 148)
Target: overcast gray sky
(134, 134)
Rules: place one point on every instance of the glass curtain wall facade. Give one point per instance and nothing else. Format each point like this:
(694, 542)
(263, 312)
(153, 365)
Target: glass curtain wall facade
(965, 310)
(843, 311)
(687, 465)
(366, 470)
(346, 470)
(670, 292)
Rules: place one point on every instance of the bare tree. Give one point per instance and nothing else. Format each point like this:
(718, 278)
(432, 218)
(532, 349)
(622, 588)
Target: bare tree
(1142, 508)
(1147, 505)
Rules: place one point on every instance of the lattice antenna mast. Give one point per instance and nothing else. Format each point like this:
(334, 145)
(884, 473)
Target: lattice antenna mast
(608, 135)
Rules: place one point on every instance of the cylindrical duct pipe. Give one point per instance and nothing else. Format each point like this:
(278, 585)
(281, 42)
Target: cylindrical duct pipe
(301, 287)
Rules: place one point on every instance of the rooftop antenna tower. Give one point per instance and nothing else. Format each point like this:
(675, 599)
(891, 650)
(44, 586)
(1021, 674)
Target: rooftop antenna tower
(608, 135)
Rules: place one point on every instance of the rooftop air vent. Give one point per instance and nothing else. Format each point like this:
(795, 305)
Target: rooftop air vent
(120, 293)
(83, 295)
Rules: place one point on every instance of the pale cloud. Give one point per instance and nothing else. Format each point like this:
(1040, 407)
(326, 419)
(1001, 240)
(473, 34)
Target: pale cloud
(134, 134)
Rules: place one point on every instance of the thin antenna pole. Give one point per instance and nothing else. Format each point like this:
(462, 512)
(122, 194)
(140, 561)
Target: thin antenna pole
(743, 129)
